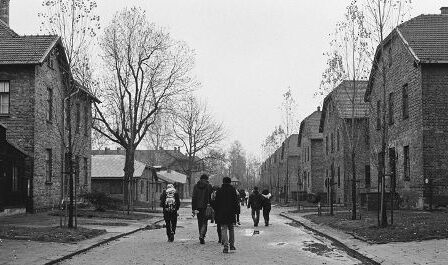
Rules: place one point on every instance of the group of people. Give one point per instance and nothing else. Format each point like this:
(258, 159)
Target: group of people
(220, 204)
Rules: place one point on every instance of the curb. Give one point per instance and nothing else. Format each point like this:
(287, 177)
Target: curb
(336, 242)
(107, 240)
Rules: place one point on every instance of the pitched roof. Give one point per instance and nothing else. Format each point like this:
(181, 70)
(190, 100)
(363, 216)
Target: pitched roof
(341, 98)
(172, 176)
(154, 158)
(15, 49)
(111, 166)
(309, 127)
(427, 36)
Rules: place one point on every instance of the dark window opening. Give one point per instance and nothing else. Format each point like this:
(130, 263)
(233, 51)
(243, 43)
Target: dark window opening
(405, 101)
(391, 108)
(406, 163)
(4, 97)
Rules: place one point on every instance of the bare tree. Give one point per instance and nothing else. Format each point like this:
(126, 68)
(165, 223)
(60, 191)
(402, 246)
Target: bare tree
(145, 69)
(77, 23)
(348, 59)
(237, 162)
(382, 16)
(160, 134)
(288, 109)
(197, 132)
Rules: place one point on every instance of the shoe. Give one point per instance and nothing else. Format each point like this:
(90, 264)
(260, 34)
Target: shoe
(232, 248)
(201, 240)
(172, 237)
(266, 224)
(239, 223)
(219, 241)
(225, 250)
(255, 225)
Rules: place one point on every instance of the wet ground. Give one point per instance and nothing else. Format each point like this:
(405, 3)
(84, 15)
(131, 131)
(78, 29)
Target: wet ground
(279, 243)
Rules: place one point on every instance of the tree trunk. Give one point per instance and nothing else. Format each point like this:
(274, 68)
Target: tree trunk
(353, 185)
(128, 177)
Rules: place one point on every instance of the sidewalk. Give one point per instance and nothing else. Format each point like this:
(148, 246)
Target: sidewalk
(423, 252)
(34, 252)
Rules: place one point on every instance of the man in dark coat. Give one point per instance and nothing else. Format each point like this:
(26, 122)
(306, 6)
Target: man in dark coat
(170, 202)
(227, 207)
(199, 201)
(255, 202)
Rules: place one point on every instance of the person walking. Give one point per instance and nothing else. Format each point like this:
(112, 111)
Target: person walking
(242, 196)
(201, 198)
(170, 202)
(227, 204)
(213, 204)
(255, 202)
(266, 205)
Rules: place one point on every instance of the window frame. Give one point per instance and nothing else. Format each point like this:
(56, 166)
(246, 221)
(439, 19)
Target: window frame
(48, 165)
(391, 109)
(406, 163)
(378, 114)
(2, 93)
(405, 101)
(49, 110)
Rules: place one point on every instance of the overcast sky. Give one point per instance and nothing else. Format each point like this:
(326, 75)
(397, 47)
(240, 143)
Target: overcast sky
(248, 52)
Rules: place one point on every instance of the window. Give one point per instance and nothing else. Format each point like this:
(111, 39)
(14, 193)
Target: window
(78, 117)
(406, 164)
(4, 97)
(391, 108)
(309, 179)
(339, 177)
(338, 140)
(378, 115)
(48, 165)
(367, 176)
(15, 179)
(86, 171)
(326, 145)
(142, 186)
(332, 143)
(405, 101)
(86, 119)
(49, 104)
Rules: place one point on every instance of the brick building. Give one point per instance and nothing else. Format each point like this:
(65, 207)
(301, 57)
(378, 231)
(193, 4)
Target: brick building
(336, 127)
(416, 67)
(33, 85)
(279, 173)
(311, 163)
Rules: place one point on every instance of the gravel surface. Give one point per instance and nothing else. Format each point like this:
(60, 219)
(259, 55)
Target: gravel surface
(279, 243)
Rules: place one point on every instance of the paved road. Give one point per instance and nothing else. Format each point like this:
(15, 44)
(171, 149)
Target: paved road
(276, 244)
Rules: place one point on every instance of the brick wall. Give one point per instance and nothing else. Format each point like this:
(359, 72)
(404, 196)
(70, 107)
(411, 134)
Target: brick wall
(435, 131)
(403, 132)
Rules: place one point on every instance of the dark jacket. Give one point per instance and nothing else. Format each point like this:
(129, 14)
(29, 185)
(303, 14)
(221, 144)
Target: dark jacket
(201, 195)
(255, 201)
(163, 198)
(226, 204)
(266, 201)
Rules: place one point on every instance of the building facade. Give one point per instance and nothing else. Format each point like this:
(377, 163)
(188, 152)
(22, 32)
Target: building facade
(34, 79)
(311, 165)
(339, 114)
(415, 64)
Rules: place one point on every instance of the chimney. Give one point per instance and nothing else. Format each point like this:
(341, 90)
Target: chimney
(4, 11)
(318, 108)
(444, 10)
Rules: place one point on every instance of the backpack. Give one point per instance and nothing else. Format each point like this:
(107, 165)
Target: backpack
(170, 202)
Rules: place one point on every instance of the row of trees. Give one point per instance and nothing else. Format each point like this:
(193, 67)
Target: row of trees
(143, 79)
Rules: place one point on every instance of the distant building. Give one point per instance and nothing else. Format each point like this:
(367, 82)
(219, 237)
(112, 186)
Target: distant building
(336, 128)
(416, 58)
(108, 176)
(34, 78)
(312, 167)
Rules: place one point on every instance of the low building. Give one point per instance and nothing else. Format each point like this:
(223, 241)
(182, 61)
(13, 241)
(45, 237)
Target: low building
(338, 112)
(415, 57)
(108, 176)
(311, 164)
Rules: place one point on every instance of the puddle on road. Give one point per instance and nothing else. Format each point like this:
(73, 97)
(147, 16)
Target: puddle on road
(252, 232)
(317, 248)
